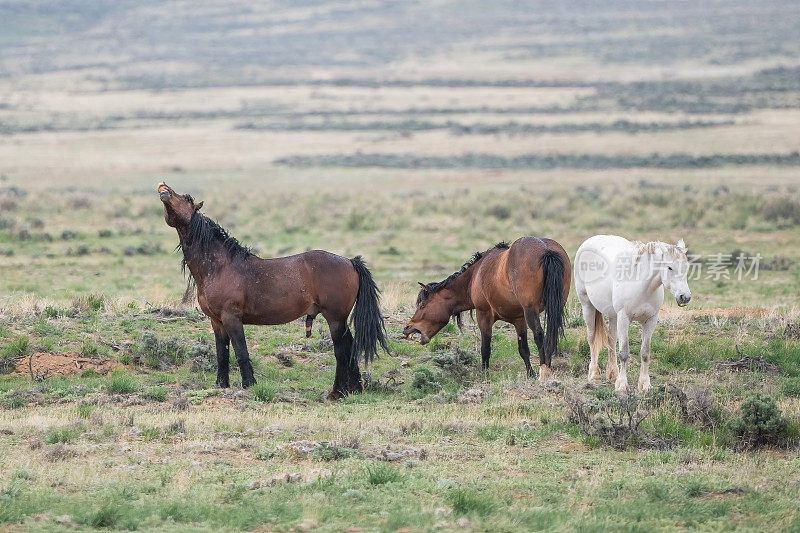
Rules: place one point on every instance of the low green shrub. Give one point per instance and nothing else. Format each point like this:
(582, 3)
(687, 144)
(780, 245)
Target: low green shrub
(761, 423)
(426, 380)
(468, 501)
(264, 392)
(120, 382)
(382, 473)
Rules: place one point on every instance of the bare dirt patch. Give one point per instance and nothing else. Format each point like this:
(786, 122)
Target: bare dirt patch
(63, 365)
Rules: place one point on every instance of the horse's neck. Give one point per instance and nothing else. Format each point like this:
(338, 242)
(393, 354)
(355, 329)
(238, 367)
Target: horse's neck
(460, 286)
(199, 262)
(652, 282)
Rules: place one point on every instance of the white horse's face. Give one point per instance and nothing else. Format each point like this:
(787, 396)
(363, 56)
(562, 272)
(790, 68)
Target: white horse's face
(674, 271)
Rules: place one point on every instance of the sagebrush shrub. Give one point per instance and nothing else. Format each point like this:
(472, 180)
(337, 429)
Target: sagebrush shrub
(761, 423)
(426, 380)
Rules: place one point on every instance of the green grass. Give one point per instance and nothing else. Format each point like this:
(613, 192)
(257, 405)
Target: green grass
(467, 501)
(382, 473)
(435, 168)
(19, 346)
(264, 392)
(157, 394)
(64, 435)
(121, 382)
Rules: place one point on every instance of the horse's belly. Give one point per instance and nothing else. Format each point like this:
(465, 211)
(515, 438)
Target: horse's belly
(278, 311)
(601, 298)
(507, 309)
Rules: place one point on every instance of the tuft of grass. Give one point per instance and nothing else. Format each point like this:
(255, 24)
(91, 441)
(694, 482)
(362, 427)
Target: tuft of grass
(64, 435)
(382, 473)
(791, 387)
(326, 451)
(85, 410)
(157, 394)
(120, 382)
(19, 346)
(89, 349)
(264, 392)
(471, 501)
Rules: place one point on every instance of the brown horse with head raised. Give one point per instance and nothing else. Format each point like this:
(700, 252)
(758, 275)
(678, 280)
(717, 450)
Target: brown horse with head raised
(514, 284)
(235, 287)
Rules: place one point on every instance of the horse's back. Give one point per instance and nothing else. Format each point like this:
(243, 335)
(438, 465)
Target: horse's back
(524, 274)
(606, 243)
(333, 278)
(595, 264)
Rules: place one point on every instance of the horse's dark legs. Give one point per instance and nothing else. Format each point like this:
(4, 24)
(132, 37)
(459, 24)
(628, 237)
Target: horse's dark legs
(354, 383)
(532, 318)
(485, 323)
(342, 350)
(545, 360)
(235, 330)
(223, 342)
(522, 344)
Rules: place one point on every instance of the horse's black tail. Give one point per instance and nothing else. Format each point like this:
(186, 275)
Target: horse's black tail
(553, 295)
(368, 328)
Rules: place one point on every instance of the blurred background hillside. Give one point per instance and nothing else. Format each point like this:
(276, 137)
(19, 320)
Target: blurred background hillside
(411, 132)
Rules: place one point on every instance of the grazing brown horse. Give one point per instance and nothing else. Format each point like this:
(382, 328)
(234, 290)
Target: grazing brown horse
(235, 287)
(510, 283)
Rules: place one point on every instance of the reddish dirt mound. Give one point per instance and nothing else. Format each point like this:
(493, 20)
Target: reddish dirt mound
(63, 365)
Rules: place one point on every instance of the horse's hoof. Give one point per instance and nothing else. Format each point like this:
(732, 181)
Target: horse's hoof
(335, 395)
(621, 386)
(249, 382)
(612, 375)
(594, 376)
(223, 383)
(545, 374)
(643, 386)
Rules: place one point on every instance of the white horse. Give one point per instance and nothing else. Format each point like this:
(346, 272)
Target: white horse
(624, 281)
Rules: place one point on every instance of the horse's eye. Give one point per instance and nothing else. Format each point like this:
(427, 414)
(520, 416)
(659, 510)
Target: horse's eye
(670, 268)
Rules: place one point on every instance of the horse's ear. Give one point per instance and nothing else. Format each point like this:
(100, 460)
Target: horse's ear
(198, 205)
(423, 285)
(681, 246)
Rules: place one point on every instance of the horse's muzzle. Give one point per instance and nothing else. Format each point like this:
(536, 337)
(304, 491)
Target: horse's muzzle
(164, 192)
(411, 330)
(683, 299)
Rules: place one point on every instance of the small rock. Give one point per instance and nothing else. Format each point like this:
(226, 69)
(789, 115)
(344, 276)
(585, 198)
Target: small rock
(353, 494)
(291, 477)
(255, 485)
(63, 519)
(473, 395)
(463, 523)
(551, 386)
(389, 455)
(180, 403)
(307, 525)
(441, 512)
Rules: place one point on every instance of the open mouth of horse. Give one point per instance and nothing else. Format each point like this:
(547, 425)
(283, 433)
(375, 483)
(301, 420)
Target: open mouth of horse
(410, 331)
(164, 192)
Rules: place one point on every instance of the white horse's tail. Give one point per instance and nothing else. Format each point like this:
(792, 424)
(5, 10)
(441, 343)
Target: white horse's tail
(600, 333)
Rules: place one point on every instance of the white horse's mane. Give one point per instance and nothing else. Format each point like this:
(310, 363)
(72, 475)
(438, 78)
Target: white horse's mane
(652, 247)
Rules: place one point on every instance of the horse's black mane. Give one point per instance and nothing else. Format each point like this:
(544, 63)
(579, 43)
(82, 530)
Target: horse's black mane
(202, 233)
(433, 288)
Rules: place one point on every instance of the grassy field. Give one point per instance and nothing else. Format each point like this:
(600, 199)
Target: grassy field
(413, 134)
